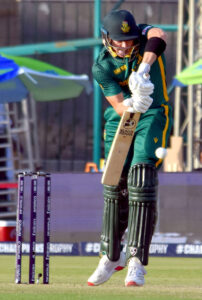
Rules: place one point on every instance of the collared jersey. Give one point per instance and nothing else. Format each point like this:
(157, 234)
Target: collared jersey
(112, 73)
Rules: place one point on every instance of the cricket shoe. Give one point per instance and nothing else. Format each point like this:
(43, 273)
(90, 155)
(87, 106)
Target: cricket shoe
(106, 268)
(136, 272)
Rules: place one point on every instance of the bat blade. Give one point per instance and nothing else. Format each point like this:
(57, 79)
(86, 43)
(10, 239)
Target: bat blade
(119, 148)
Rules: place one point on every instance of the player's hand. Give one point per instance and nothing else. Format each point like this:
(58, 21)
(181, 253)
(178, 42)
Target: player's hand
(139, 83)
(129, 103)
(138, 103)
(140, 80)
(141, 103)
(143, 68)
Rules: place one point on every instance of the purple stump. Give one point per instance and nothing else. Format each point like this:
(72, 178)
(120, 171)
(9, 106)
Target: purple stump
(33, 211)
(19, 227)
(47, 208)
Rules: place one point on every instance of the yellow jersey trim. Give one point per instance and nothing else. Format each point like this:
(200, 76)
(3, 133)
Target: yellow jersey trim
(166, 108)
(121, 69)
(123, 83)
(163, 76)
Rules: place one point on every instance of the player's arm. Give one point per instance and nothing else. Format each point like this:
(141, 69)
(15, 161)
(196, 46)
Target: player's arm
(117, 102)
(156, 36)
(114, 95)
(155, 46)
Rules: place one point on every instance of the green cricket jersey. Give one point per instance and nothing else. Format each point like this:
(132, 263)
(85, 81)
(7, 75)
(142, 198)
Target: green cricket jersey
(112, 74)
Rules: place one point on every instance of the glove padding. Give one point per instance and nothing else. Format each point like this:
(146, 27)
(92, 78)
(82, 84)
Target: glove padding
(138, 103)
(138, 82)
(129, 103)
(144, 68)
(141, 103)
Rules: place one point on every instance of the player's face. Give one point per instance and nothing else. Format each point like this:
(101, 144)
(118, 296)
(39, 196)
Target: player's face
(122, 48)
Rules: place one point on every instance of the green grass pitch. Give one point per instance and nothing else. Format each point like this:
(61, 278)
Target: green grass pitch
(167, 278)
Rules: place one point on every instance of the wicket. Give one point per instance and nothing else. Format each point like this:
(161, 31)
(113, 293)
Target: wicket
(33, 226)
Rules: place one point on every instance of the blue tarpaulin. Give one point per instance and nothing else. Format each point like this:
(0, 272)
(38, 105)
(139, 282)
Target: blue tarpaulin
(8, 69)
(11, 87)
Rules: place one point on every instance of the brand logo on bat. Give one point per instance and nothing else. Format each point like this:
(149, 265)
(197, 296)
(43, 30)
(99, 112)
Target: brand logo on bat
(128, 127)
(129, 124)
(126, 132)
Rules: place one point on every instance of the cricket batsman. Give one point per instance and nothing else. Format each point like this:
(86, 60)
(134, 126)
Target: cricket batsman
(130, 70)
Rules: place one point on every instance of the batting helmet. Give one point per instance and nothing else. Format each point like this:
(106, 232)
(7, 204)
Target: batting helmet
(120, 25)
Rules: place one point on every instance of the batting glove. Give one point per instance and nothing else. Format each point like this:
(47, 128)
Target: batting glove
(144, 68)
(129, 103)
(138, 103)
(140, 81)
(141, 103)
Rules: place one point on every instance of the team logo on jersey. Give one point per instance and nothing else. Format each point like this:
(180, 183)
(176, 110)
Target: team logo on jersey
(125, 27)
(156, 140)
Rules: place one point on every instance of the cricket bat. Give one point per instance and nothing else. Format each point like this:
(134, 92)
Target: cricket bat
(119, 148)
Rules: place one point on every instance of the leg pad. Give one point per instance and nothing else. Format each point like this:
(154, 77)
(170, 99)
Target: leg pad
(142, 187)
(115, 219)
